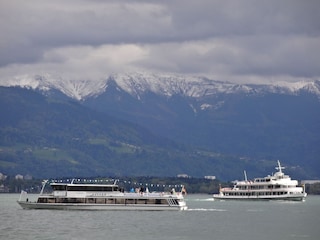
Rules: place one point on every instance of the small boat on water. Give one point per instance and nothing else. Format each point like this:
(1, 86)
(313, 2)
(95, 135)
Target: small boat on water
(276, 187)
(92, 196)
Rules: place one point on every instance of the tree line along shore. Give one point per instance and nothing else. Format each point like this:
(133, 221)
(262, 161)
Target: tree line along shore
(192, 185)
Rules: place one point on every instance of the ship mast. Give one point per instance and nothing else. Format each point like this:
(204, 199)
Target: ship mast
(245, 176)
(279, 167)
(44, 182)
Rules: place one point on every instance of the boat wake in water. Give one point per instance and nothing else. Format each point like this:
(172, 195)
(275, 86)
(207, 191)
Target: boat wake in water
(201, 200)
(206, 210)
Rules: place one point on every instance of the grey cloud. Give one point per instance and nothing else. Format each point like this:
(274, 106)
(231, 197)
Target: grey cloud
(233, 18)
(261, 38)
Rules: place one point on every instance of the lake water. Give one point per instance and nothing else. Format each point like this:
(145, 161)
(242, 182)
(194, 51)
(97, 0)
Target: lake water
(205, 219)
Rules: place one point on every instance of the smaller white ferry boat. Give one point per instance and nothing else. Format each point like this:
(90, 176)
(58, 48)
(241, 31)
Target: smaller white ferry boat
(276, 187)
(92, 196)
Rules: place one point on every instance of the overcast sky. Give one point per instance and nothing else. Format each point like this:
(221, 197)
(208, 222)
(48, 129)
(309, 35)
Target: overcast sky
(256, 41)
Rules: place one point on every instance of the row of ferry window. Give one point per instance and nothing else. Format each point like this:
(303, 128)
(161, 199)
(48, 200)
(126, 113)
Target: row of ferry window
(256, 193)
(85, 188)
(262, 187)
(263, 180)
(268, 179)
(107, 201)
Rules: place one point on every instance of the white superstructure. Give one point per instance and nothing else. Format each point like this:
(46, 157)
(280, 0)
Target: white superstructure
(78, 196)
(276, 187)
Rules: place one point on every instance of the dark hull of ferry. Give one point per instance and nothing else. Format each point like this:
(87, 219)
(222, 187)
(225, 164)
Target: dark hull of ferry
(86, 206)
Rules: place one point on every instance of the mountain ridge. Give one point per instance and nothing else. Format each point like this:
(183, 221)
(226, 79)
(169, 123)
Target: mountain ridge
(241, 126)
(137, 83)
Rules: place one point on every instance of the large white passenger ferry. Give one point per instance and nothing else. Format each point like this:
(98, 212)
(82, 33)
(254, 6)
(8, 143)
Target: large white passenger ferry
(276, 187)
(92, 196)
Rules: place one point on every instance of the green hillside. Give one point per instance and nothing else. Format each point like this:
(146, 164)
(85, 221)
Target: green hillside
(46, 137)
(51, 137)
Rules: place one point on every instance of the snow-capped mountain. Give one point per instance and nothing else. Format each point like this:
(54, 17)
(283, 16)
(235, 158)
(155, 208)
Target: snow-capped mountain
(76, 89)
(247, 121)
(136, 84)
(167, 84)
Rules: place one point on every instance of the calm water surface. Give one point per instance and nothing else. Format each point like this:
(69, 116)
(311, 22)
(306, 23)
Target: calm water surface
(205, 219)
